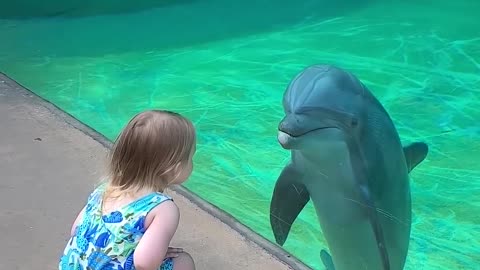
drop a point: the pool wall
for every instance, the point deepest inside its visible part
(176, 24)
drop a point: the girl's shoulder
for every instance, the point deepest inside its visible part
(167, 211)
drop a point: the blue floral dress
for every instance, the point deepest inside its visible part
(107, 242)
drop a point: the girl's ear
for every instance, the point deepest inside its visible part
(177, 171)
(178, 168)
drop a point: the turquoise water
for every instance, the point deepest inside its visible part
(225, 65)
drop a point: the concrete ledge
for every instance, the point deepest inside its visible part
(11, 92)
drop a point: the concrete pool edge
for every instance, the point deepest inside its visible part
(274, 250)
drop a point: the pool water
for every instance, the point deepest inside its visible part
(226, 64)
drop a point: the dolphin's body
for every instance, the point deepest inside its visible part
(346, 155)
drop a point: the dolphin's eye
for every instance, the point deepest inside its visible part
(353, 122)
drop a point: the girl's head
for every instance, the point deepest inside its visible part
(153, 151)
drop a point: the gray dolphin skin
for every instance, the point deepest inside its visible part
(347, 157)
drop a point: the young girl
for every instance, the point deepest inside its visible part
(127, 222)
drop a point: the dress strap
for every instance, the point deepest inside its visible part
(95, 199)
(142, 204)
(148, 202)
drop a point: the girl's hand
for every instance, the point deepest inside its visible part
(173, 252)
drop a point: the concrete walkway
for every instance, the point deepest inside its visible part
(48, 166)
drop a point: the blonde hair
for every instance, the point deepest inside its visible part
(149, 152)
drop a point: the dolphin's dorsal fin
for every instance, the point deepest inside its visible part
(414, 154)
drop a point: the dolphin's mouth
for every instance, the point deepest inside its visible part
(289, 140)
(296, 135)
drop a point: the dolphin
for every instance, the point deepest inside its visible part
(347, 157)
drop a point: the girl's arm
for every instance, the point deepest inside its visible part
(161, 223)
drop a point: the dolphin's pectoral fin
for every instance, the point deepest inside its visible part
(327, 260)
(414, 154)
(289, 198)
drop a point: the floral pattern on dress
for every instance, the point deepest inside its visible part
(107, 242)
